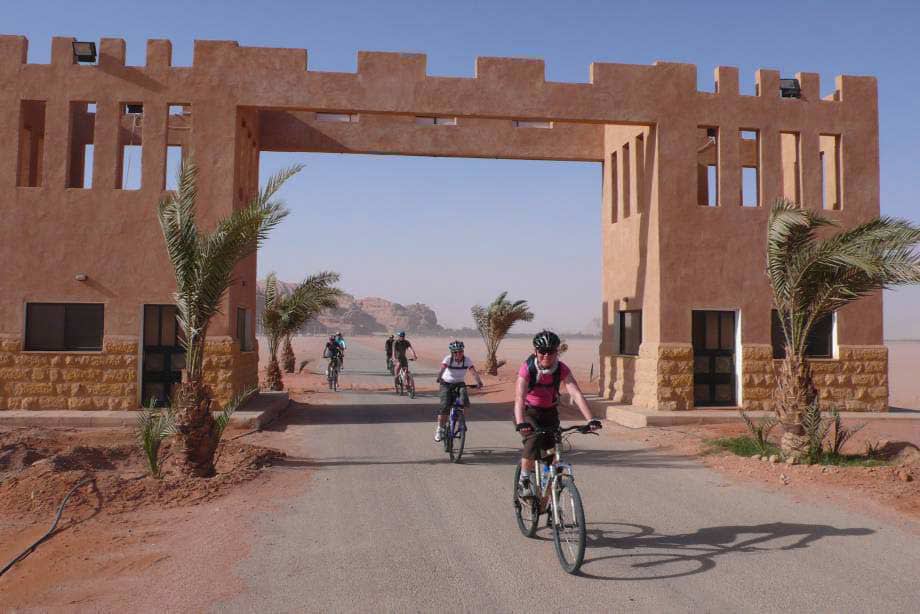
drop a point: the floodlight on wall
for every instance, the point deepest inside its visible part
(84, 51)
(81, 277)
(790, 88)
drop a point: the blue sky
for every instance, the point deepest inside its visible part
(448, 214)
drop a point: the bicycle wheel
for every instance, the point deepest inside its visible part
(410, 387)
(335, 380)
(569, 532)
(457, 438)
(526, 511)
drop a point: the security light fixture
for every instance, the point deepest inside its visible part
(84, 51)
(790, 88)
(134, 109)
(80, 277)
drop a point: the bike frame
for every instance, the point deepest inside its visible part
(558, 469)
(456, 411)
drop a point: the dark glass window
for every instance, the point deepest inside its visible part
(244, 328)
(64, 327)
(820, 340)
(630, 329)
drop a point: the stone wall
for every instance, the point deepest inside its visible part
(69, 380)
(227, 370)
(660, 377)
(107, 380)
(855, 381)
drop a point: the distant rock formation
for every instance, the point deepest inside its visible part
(363, 316)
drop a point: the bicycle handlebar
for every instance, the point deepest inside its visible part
(584, 429)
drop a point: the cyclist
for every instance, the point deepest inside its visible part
(340, 340)
(333, 351)
(452, 378)
(388, 348)
(536, 402)
(400, 346)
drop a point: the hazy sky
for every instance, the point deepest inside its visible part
(451, 233)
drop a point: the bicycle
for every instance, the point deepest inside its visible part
(404, 382)
(455, 429)
(332, 373)
(555, 494)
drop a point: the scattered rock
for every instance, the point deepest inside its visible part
(824, 470)
(756, 457)
(904, 476)
(784, 479)
(790, 460)
(773, 459)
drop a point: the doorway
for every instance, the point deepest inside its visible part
(164, 356)
(714, 358)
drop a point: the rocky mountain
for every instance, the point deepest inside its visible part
(364, 316)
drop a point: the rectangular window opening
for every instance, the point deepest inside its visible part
(750, 168)
(523, 123)
(789, 144)
(830, 172)
(82, 137)
(130, 136)
(625, 188)
(31, 143)
(179, 110)
(75, 327)
(630, 332)
(820, 343)
(614, 188)
(244, 329)
(639, 154)
(337, 117)
(173, 165)
(707, 166)
(436, 121)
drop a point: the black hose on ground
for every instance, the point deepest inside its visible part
(50, 532)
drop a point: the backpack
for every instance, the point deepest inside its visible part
(532, 370)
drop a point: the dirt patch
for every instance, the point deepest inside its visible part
(39, 466)
(891, 491)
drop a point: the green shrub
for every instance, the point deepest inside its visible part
(153, 426)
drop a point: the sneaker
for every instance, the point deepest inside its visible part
(439, 433)
(525, 490)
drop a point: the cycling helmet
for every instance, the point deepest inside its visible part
(402, 333)
(455, 346)
(546, 340)
(338, 333)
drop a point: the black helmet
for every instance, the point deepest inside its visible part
(402, 333)
(546, 340)
(455, 346)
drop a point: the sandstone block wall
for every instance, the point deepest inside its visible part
(69, 380)
(107, 380)
(855, 381)
(660, 377)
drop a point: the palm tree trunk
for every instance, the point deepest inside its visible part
(273, 378)
(794, 391)
(195, 429)
(287, 355)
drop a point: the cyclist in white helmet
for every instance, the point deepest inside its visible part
(452, 379)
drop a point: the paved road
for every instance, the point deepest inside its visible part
(386, 524)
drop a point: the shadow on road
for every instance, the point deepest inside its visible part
(657, 557)
(421, 409)
(642, 459)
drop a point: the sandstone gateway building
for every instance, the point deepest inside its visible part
(688, 175)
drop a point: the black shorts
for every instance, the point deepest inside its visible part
(448, 392)
(539, 417)
(403, 362)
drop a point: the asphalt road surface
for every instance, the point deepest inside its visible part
(387, 524)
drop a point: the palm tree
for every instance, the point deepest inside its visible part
(495, 321)
(204, 264)
(813, 278)
(283, 315)
(288, 358)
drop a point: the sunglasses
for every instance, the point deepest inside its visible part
(546, 352)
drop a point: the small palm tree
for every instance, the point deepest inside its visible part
(284, 315)
(288, 358)
(204, 264)
(495, 321)
(812, 278)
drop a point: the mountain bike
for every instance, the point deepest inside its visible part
(332, 373)
(404, 382)
(455, 429)
(555, 494)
